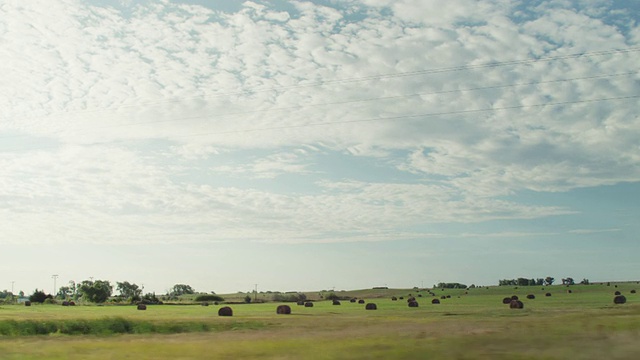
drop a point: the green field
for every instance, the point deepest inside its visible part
(473, 324)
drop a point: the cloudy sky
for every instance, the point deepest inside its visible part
(307, 145)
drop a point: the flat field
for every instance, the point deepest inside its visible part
(473, 324)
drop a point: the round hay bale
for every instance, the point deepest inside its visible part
(620, 299)
(435, 301)
(514, 297)
(516, 304)
(352, 300)
(411, 299)
(531, 296)
(216, 303)
(617, 293)
(371, 306)
(419, 295)
(448, 296)
(301, 303)
(506, 300)
(569, 291)
(27, 303)
(283, 310)
(393, 298)
(401, 297)
(225, 311)
(308, 304)
(633, 291)
(547, 294)
(336, 302)
(361, 301)
(615, 285)
(142, 307)
(413, 304)
(71, 303)
(65, 303)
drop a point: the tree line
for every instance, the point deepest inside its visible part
(548, 281)
(100, 291)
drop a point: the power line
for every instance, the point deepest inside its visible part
(399, 117)
(371, 77)
(384, 98)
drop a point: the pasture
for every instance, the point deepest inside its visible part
(473, 324)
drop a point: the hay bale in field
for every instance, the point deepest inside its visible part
(216, 303)
(413, 304)
(569, 291)
(393, 298)
(443, 297)
(633, 291)
(620, 299)
(514, 297)
(283, 310)
(336, 302)
(401, 298)
(411, 299)
(516, 304)
(506, 300)
(352, 300)
(142, 307)
(435, 301)
(531, 296)
(448, 296)
(301, 303)
(547, 294)
(27, 303)
(225, 311)
(617, 293)
(71, 303)
(419, 295)
(65, 303)
(371, 306)
(361, 301)
(308, 304)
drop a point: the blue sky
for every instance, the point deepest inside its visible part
(307, 145)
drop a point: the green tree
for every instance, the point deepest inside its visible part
(181, 289)
(95, 291)
(39, 296)
(549, 280)
(129, 291)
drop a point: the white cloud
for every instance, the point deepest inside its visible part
(135, 105)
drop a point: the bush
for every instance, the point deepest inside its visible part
(38, 296)
(208, 297)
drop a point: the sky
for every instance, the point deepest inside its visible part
(312, 145)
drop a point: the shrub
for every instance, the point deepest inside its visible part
(208, 297)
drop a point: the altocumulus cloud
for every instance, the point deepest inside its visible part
(148, 121)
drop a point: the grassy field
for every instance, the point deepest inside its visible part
(473, 324)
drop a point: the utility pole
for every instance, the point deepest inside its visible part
(55, 277)
(255, 296)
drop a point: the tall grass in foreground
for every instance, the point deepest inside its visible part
(115, 326)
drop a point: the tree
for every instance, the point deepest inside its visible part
(549, 280)
(568, 281)
(64, 292)
(584, 281)
(39, 296)
(129, 291)
(181, 289)
(95, 291)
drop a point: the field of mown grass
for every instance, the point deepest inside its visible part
(584, 324)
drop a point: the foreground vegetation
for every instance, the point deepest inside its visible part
(470, 324)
